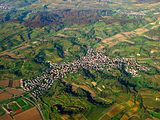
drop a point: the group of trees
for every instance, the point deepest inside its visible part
(40, 57)
(59, 49)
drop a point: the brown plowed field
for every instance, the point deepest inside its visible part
(116, 39)
(115, 110)
(4, 83)
(31, 114)
(14, 91)
(6, 117)
(16, 83)
(5, 96)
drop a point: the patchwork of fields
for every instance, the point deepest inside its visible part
(37, 34)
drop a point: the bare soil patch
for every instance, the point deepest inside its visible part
(140, 31)
(6, 117)
(123, 37)
(16, 83)
(155, 78)
(4, 83)
(112, 41)
(14, 91)
(31, 114)
(100, 47)
(5, 96)
(115, 110)
(70, 29)
(138, 5)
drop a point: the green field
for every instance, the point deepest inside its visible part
(21, 102)
(2, 112)
(13, 106)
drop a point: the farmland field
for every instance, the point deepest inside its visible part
(21, 102)
(13, 106)
(5, 96)
(2, 112)
(79, 59)
(28, 114)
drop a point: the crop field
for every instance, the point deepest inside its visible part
(6, 117)
(95, 113)
(29, 114)
(14, 106)
(116, 39)
(37, 37)
(115, 110)
(5, 96)
(14, 91)
(2, 112)
(21, 102)
(150, 98)
(16, 83)
(4, 83)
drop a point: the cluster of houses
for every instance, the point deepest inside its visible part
(93, 60)
(133, 67)
(4, 7)
(39, 85)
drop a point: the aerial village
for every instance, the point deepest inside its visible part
(5, 6)
(94, 60)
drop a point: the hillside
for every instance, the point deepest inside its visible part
(80, 59)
